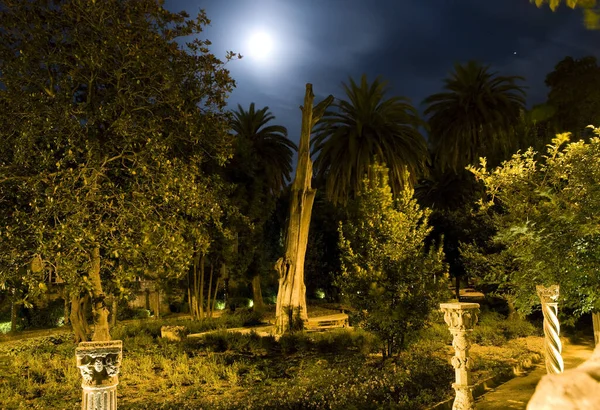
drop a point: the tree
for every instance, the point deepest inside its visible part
(364, 126)
(107, 123)
(260, 169)
(591, 13)
(388, 274)
(291, 312)
(547, 221)
(574, 95)
(476, 116)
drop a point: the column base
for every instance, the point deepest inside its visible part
(464, 397)
(99, 397)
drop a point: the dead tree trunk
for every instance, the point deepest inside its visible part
(291, 297)
(101, 327)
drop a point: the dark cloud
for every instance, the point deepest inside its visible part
(411, 43)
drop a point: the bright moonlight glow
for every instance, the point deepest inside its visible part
(260, 45)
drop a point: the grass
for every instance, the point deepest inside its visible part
(336, 370)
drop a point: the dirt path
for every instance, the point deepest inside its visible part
(515, 393)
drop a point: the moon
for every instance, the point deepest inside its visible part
(260, 45)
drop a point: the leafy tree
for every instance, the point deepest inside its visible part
(364, 126)
(388, 274)
(574, 95)
(260, 169)
(546, 215)
(591, 12)
(476, 116)
(107, 123)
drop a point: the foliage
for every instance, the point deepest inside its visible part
(546, 214)
(260, 169)
(475, 116)
(574, 95)
(591, 13)
(388, 275)
(364, 126)
(107, 124)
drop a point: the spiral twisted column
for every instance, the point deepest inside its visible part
(461, 318)
(552, 345)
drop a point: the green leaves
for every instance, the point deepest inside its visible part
(388, 273)
(546, 214)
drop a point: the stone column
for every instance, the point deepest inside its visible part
(99, 364)
(552, 344)
(460, 318)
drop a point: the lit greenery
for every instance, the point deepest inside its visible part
(591, 15)
(107, 123)
(388, 274)
(546, 213)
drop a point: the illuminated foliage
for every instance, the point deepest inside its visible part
(107, 123)
(388, 274)
(591, 13)
(546, 214)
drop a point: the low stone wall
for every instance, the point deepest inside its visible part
(575, 389)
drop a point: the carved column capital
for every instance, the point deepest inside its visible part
(99, 364)
(548, 294)
(460, 316)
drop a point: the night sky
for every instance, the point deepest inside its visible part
(412, 43)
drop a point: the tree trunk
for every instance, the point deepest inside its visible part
(208, 299)
(512, 312)
(13, 316)
(596, 324)
(291, 310)
(259, 304)
(101, 327)
(66, 310)
(201, 289)
(84, 308)
(214, 300)
(113, 312)
(157, 306)
(76, 319)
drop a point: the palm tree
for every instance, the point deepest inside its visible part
(260, 169)
(366, 126)
(476, 116)
(269, 146)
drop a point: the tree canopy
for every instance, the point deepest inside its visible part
(546, 216)
(388, 274)
(365, 125)
(107, 123)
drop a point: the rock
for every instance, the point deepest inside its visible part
(575, 389)
(174, 333)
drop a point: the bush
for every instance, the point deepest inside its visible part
(44, 316)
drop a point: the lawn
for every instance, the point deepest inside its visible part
(340, 369)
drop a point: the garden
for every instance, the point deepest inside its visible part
(369, 261)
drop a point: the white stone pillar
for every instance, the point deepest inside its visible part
(552, 345)
(460, 318)
(99, 364)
